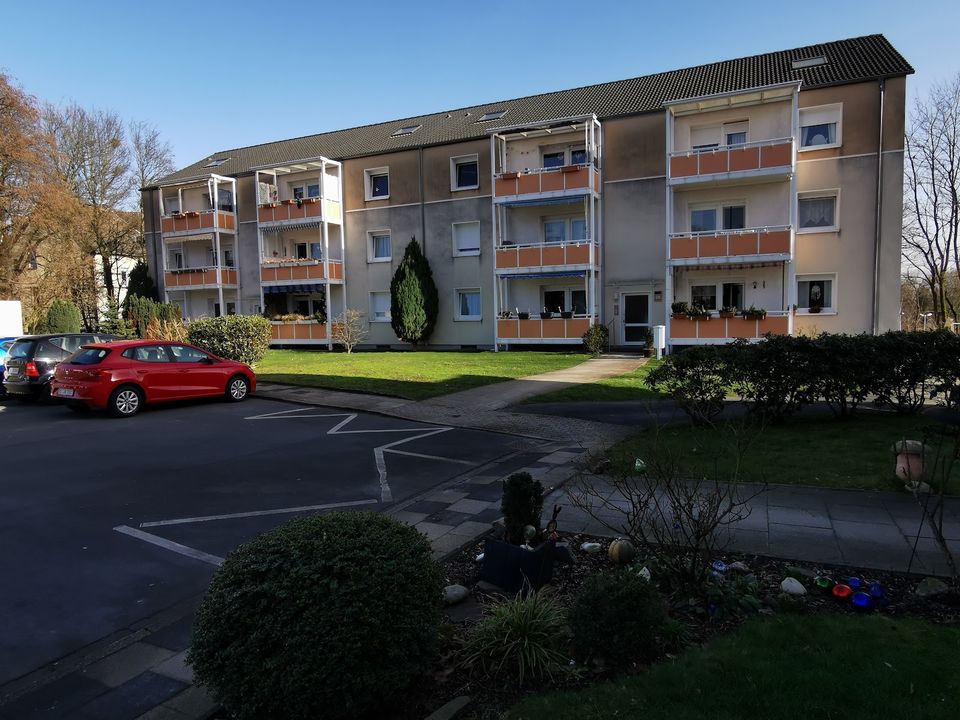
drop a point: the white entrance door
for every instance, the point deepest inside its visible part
(636, 317)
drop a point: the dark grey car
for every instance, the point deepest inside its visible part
(31, 361)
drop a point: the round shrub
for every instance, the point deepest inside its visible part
(326, 616)
(63, 316)
(696, 379)
(244, 338)
(595, 339)
(620, 617)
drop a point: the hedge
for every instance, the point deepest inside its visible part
(244, 338)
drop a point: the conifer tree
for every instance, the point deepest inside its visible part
(413, 297)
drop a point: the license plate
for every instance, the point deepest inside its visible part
(64, 392)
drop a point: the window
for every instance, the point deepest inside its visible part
(733, 295)
(379, 307)
(184, 354)
(313, 190)
(565, 300)
(379, 250)
(554, 159)
(316, 251)
(799, 64)
(492, 115)
(298, 192)
(578, 156)
(554, 300)
(302, 305)
(377, 183)
(464, 173)
(578, 229)
(704, 138)
(704, 295)
(703, 220)
(89, 357)
(301, 251)
(407, 130)
(735, 133)
(562, 229)
(817, 212)
(147, 353)
(466, 238)
(820, 127)
(554, 231)
(228, 258)
(171, 204)
(178, 260)
(815, 293)
(734, 217)
(578, 301)
(468, 304)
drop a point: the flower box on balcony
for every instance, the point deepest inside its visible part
(546, 315)
(311, 200)
(569, 168)
(566, 314)
(179, 215)
(523, 315)
(753, 313)
(289, 202)
(510, 176)
(193, 214)
(269, 204)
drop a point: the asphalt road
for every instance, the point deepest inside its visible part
(105, 522)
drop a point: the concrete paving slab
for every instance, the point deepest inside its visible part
(194, 702)
(470, 506)
(120, 667)
(798, 516)
(176, 668)
(132, 699)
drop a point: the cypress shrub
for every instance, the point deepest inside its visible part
(141, 284)
(522, 505)
(413, 297)
(63, 316)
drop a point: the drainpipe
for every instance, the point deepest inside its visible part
(879, 217)
(423, 219)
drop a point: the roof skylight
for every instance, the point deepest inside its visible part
(407, 130)
(494, 115)
(801, 63)
(216, 163)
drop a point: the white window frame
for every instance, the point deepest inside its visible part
(373, 314)
(821, 115)
(813, 194)
(463, 160)
(567, 291)
(467, 318)
(370, 246)
(734, 126)
(718, 284)
(567, 220)
(813, 277)
(368, 175)
(567, 151)
(457, 252)
(718, 207)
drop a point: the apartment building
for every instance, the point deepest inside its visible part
(771, 182)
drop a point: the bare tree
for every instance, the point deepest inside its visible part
(152, 155)
(349, 329)
(931, 219)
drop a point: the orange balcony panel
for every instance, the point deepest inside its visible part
(776, 155)
(683, 247)
(301, 272)
(268, 274)
(529, 183)
(507, 258)
(530, 328)
(578, 254)
(713, 245)
(553, 328)
(683, 166)
(553, 255)
(229, 277)
(228, 221)
(777, 325)
(528, 257)
(311, 209)
(744, 159)
(596, 182)
(209, 277)
(336, 270)
(775, 242)
(506, 186)
(265, 214)
(507, 328)
(550, 181)
(714, 328)
(579, 178)
(741, 327)
(576, 327)
(683, 328)
(713, 162)
(166, 225)
(743, 244)
(301, 331)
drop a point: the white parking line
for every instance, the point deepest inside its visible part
(432, 457)
(256, 513)
(170, 545)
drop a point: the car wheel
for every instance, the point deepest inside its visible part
(238, 388)
(125, 401)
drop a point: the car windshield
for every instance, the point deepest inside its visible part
(89, 356)
(22, 349)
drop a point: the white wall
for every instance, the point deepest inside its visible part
(525, 224)
(766, 122)
(767, 203)
(767, 295)
(526, 153)
(11, 318)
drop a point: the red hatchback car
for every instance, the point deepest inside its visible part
(122, 376)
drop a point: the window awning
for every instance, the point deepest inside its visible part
(278, 289)
(290, 226)
(569, 200)
(564, 274)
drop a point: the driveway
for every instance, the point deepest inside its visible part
(107, 522)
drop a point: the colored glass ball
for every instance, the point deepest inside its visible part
(855, 583)
(862, 601)
(841, 591)
(824, 583)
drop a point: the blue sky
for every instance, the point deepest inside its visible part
(214, 76)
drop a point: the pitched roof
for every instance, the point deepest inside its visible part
(848, 61)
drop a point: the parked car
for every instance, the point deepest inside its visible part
(123, 376)
(32, 359)
(5, 344)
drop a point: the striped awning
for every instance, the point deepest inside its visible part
(290, 226)
(564, 274)
(278, 289)
(568, 200)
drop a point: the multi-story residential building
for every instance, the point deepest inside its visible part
(772, 182)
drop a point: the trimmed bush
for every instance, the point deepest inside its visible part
(327, 616)
(521, 639)
(414, 302)
(843, 371)
(619, 617)
(696, 379)
(522, 505)
(904, 369)
(595, 339)
(945, 367)
(776, 375)
(63, 316)
(244, 338)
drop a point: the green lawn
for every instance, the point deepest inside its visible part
(413, 375)
(632, 386)
(791, 667)
(821, 451)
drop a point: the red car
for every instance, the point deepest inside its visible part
(121, 376)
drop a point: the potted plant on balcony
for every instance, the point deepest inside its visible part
(680, 309)
(523, 315)
(698, 312)
(569, 168)
(179, 215)
(509, 176)
(311, 200)
(546, 314)
(289, 201)
(754, 313)
(728, 311)
(192, 214)
(566, 314)
(504, 314)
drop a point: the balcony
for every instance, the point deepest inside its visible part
(770, 159)
(299, 271)
(719, 330)
(199, 278)
(569, 180)
(310, 209)
(535, 330)
(748, 244)
(193, 221)
(297, 331)
(516, 258)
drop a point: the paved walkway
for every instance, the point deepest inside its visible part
(866, 529)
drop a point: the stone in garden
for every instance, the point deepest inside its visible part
(453, 594)
(931, 588)
(792, 586)
(738, 566)
(529, 532)
(591, 547)
(644, 572)
(480, 557)
(800, 573)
